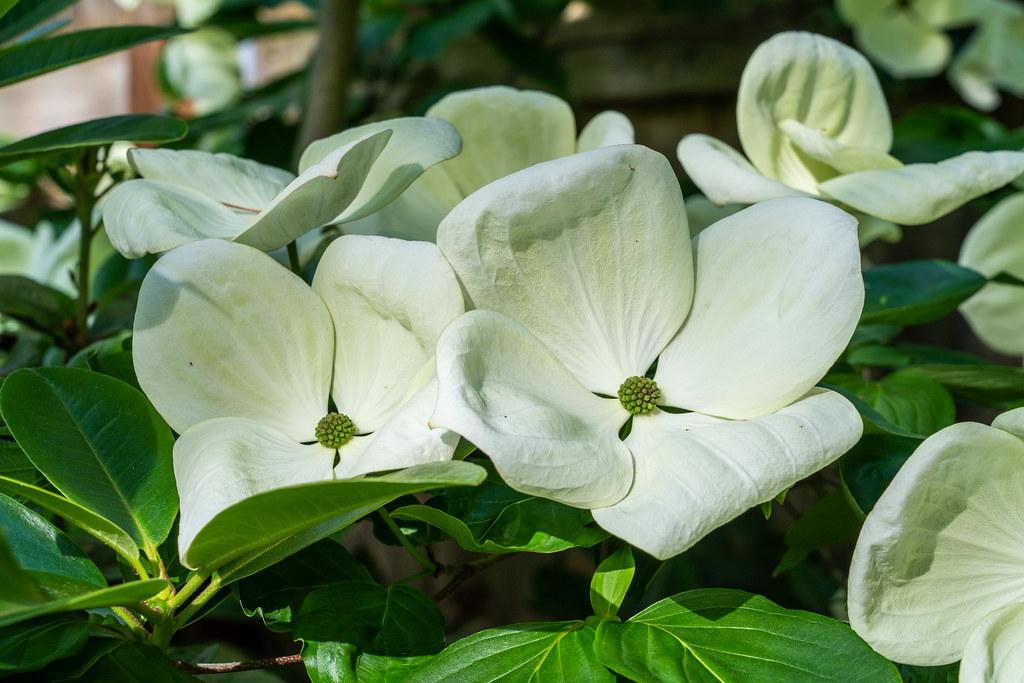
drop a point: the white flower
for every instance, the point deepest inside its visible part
(936, 574)
(41, 256)
(996, 245)
(238, 355)
(190, 12)
(993, 57)
(503, 130)
(583, 270)
(189, 195)
(813, 121)
(201, 69)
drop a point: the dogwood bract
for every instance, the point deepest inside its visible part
(583, 271)
(187, 195)
(813, 121)
(238, 355)
(503, 130)
(936, 573)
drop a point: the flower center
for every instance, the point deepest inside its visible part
(639, 395)
(334, 430)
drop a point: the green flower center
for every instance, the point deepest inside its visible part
(639, 395)
(334, 430)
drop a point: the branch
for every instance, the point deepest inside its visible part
(232, 667)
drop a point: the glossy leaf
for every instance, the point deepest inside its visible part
(99, 442)
(32, 645)
(27, 14)
(14, 464)
(266, 528)
(916, 292)
(870, 465)
(130, 128)
(545, 651)
(909, 399)
(611, 581)
(831, 520)
(36, 57)
(132, 662)
(997, 385)
(728, 636)
(38, 306)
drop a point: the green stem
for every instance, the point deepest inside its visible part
(293, 258)
(204, 597)
(85, 185)
(132, 622)
(413, 552)
(187, 590)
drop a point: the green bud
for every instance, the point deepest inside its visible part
(334, 430)
(639, 395)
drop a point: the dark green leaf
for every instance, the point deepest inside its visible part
(32, 645)
(38, 306)
(130, 128)
(903, 355)
(134, 662)
(611, 581)
(949, 673)
(869, 467)
(1005, 278)
(914, 402)
(36, 57)
(429, 38)
(27, 14)
(99, 442)
(728, 636)
(15, 464)
(555, 651)
(831, 520)
(996, 385)
(916, 292)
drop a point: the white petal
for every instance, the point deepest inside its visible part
(390, 300)
(318, 196)
(590, 252)
(724, 175)
(943, 546)
(406, 439)
(834, 154)
(416, 144)
(694, 473)
(921, 193)
(238, 183)
(220, 462)
(995, 651)
(992, 58)
(904, 45)
(15, 248)
(504, 130)
(819, 82)
(152, 216)
(995, 245)
(606, 129)
(778, 295)
(547, 435)
(702, 213)
(222, 330)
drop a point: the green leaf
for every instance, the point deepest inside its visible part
(33, 645)
(276, 593)
(995, 385)
(100, 528)
(904, 355)
(99, 442)
(831, 520)
(611, 581)
(127, 594)
(14, 464)
(950, 673)
(914, 402)
(6, 5)
(26, 60)
(133, 662)
(130, 128)
(870, 465)
(264, 529)
(546, 651)
(728, 636)
(37, 306)
(494, 518)
(916, 292)
(28, 14)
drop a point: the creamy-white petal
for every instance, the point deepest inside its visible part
(606, 129)
(943, 546)
(390, 300)
(996, 245)
(778, 294)
(903, 44)
(222, 330)
(995, 651)
(590, 252)
(221, 462)
(547, 435)
(694, 473)
(724, 175)
(819, 82)
(834, 154)
(921, 193)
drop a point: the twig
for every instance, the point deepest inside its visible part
(232, 667)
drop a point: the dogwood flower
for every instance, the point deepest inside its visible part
(189, 12)
(42, 256)
(188, 195)
(813, 121)
(994, 246)
(936, 574)
(503, 130)
(582, 270)
(201, 71)
(993, 57)
(271, 382)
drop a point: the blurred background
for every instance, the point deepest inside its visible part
(244, 78)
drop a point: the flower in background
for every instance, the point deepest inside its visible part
(189, 12)
(583, 273)
(46, 257)
(813, 121)
(200, 71)
(993, 58)
(935, 576)
(503, 130)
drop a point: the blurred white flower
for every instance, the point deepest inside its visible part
(201, 71)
